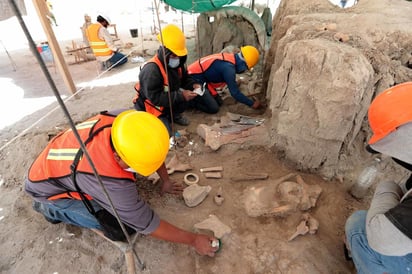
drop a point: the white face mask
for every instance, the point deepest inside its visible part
(174, 62)
(129, 169)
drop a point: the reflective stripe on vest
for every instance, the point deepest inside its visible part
(203, 64)
(55, 161)
(149, 106)
(98, 46)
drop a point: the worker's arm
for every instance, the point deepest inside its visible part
(105, 35)
(168, 186)
(202, 243)
(151, 84)
(383, 236)
(229, 76)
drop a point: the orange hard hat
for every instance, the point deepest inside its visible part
(389, 110)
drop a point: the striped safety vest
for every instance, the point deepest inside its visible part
(55, 160)
(201, 65)
(149, 106)
(98, 46)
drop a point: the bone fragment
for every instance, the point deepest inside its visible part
(250, 177)
(209, 169)
(195, 194)
(219, 197)
(282, 210)
(175, 165)
(311, 222)
(310, 194)
(214, 224)
(215, 175)
(302, 229)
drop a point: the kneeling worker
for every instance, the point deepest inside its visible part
(380, 239)
(64, 188)
(220, 69)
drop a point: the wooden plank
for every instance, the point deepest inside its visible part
(41, 9)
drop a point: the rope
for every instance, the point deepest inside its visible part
(69, 118)
(57, 107)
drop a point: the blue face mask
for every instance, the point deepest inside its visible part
(174, 62)
(241, 65)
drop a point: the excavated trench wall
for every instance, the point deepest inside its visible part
(324, 66)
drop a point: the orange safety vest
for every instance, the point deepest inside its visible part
(56, 159)
(204, 63)
(98, 46)
(149, 106)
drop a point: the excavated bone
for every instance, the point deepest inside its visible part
(195, 194)
(311, 222)
(219, 197)
(211, 169)
(302, 229)
(250, 177)
(260, 200)
(290, 192)
(213, 175)
(175, 165)
(154, 177)
(310, 194)
(214, 224)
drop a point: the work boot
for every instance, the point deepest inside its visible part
(219, 100)
(180, 120)
(37, 207)
(52, 221)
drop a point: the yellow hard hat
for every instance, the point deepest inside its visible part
(251, 55)
(173, 39)
(141, 140)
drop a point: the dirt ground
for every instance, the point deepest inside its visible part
(29, 244)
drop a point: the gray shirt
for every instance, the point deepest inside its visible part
(382, 234)
(132, 210)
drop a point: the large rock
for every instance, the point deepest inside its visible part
(324, 66)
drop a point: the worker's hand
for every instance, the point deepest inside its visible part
(257, 105)
(171, 187)
(203, 245)
(188, 95)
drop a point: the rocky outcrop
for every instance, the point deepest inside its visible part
(230, 26)
(324, 66)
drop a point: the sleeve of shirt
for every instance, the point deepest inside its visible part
(132, 210)
(382, 235)
(151, 84)
(229, 75)
(187, 80)
(105, 35)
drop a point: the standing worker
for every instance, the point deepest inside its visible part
(102, 44)
(65, 189)
(218, 70)
(164, 78)
(380, 240)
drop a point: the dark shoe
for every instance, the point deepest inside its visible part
(52, 221)
(219, 100)
(180, 120)
(36, 206)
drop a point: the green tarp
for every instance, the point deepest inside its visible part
(198, 6)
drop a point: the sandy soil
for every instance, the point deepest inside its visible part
(29, 244)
